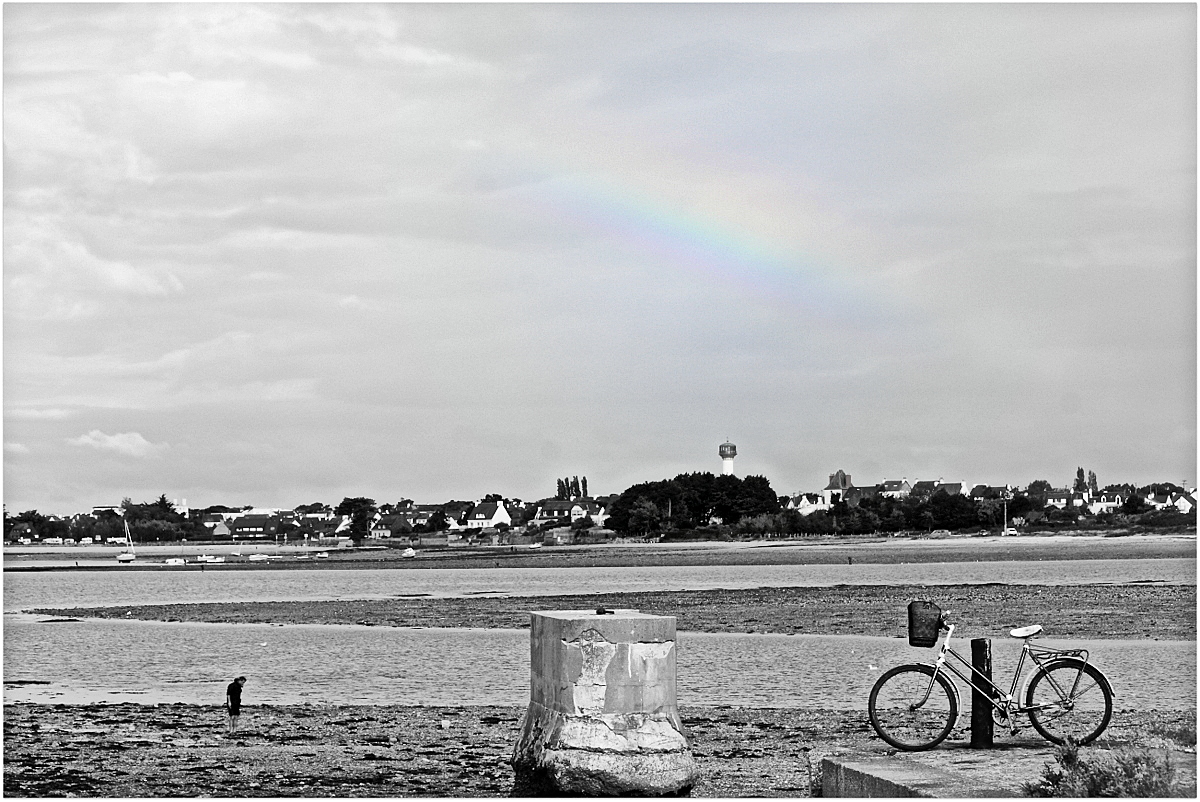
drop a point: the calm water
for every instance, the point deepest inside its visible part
(101, 588)
(152, 662)
(174, 662)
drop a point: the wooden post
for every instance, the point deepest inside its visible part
(981, 705)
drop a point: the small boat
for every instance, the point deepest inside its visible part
(409, 552)
(127, 556)
(257, 558)
(322, 555)
(173, 561)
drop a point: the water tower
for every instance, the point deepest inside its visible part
(728, 451)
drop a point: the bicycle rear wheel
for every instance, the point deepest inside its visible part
(1069, 699)
(912, 707)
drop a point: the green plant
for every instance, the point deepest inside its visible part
(1121, 772)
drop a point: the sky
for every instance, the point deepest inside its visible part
(280, 254)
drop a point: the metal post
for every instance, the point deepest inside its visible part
(981, 706)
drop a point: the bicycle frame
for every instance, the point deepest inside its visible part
(1005, 703)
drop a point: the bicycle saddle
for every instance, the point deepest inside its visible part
(1026, 632)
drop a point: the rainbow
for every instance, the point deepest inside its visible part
(718, 250)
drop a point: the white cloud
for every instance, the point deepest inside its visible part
(129, 443)
(16, 448)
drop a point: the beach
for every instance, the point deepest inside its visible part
(321, 750)
(346, 751)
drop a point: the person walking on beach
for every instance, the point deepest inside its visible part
(233, 702)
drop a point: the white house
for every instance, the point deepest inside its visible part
(568, 512)
(895, 488)
(807, 503)
(1106, 502)
(489, 513)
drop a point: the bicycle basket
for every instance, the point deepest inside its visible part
(924, 621)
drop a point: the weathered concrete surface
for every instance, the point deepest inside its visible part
(954, 771)
(883, 777)
(602, 717)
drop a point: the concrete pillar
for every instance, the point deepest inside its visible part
(602, 718)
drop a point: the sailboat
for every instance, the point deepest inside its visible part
(127, 556)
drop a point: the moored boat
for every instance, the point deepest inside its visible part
(128, 555)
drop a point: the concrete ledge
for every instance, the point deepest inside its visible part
(873, 777)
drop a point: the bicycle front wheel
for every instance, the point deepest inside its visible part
(1069, 698)
(913, 707)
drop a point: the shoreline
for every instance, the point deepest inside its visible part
(127, 750)
(1122, 612)
(816, 550)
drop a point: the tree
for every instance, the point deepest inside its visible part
(1080, 482)
(575, 490)
(313, 509)
(362, 514)
(644, 517)
(1134, 505)
(584, 487)
(1092, 483)
(561, 492)
(1039, 487)
(989, 510)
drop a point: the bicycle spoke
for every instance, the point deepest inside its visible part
(1069, 699)
(910, 709)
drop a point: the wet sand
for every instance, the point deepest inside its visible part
(1164, 612)
(313, 751)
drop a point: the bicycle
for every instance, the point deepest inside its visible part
(914, 707)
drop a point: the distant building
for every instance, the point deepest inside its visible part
(565, 513)
(255, 526)
(727, 451)
(835, 491)
(489, 513)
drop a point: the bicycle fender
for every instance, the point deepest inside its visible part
(937, 671)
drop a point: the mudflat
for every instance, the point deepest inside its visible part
(1165, 612)
(127, 750)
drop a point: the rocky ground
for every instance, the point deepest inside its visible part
(129, 750)
(1165, 612)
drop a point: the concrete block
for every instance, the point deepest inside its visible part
(875, 777)
(602, 717)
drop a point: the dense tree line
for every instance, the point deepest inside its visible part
(690, 500)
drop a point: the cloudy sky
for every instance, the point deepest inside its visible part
(273, 254)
